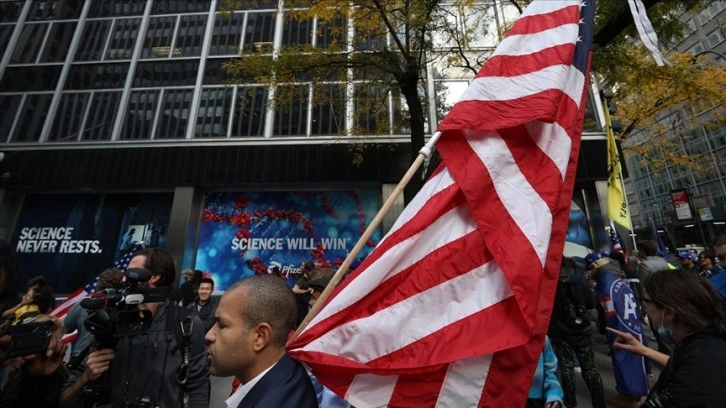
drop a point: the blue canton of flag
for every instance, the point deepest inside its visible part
(123, 262)
(662, 249)
(91, 286)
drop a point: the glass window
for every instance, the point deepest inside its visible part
(9, 105)
(213, 73)
(69, 116)
(296, 32)
(29, 43)
(117, 8)
(371, 109)
(101, 116)
(291, 110)
(124, 36)
(328, 110)
(31, 119)
(93, 40)
(59, 39)
(259, 33)
(6, 31)
(371, 41)
(696, 48)
(715, 37)
(10, 10)
(55, 9)
(401, 116)
(157, 43)
(177, 6)
(249, 5)
(166, 73)
(29, 79)
(97, 76)
(691, 26)
(592, 123)
(174, 114)
(249, 111)
(140, 115)
(227, 34)
(190, 36)
(214, 111)
(331, 33)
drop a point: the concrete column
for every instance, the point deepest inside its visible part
(392, 215)
(181, 240)
(11, 202)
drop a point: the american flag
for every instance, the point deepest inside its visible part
(452, 306)
(62, 310)
(616, 243)
(123, 262)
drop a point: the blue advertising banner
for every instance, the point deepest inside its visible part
(72, 238)
(243, 234)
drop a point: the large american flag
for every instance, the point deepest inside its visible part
(451, 308)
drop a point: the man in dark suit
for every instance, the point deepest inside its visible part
(254, 319)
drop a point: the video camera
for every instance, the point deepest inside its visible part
(29, 337)
(115, 313)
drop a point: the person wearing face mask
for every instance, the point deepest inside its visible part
(689, 312)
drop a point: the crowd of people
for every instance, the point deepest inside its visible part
(243, 333)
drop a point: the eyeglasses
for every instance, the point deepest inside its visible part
(646, 300)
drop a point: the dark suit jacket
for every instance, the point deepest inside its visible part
(286, 385)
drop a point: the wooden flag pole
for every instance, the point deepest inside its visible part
(424, 153)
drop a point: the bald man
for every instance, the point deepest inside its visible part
(254, 319)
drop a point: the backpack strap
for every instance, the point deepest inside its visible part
(184, 328)
(179, 326)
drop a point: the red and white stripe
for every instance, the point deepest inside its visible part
(62, 310)
(451, 308)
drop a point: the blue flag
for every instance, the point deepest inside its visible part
(662, 249)
(621, 313)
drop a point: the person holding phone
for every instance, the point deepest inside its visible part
(37, 376)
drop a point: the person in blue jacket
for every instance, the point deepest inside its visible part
(546, 390)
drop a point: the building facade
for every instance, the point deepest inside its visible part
(664, 196)
(118, 125)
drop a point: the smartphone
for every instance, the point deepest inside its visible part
(29, 338)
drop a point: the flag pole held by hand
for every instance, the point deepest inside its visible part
(424, 153)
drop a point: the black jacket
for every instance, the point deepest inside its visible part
(146, 365)
(286, 385)
(206, 312)
(581, 286)
(694, 375)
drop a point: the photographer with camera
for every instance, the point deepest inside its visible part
(149, 367)
(76, 317)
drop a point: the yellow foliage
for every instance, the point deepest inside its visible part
(666, 101)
